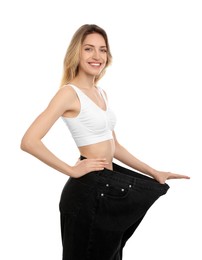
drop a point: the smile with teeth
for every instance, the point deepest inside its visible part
(95, 64)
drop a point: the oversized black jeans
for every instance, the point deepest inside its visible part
(101, 210)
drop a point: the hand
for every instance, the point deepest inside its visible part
(85, 166)
(161, 176)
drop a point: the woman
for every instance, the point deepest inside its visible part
(102, 203)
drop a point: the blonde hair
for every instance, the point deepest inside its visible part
(71, 60)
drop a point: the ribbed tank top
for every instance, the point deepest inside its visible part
(92, 124)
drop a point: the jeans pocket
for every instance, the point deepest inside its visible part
(113, 190)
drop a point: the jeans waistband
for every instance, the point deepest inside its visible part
(123, 176)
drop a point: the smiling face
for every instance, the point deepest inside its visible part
(93, 55)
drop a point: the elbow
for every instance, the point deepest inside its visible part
(26, 144)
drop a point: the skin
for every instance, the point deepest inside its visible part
(93, 58)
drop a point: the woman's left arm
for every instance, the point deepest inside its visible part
(127, 158)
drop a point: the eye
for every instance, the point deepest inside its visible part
(103, 50)
(88, 49)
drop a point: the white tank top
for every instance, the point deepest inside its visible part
(92, 124)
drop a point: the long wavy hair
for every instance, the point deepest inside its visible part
(71, 60)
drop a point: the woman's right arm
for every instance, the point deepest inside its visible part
(63, 101)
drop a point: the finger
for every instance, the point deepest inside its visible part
(98, 165)
(179, 176)
(95, 168)
(184, 177)
(97, 159)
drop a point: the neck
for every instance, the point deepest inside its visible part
(84, 82)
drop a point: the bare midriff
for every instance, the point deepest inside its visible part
(102, 150)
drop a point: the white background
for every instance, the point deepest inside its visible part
(154, 87)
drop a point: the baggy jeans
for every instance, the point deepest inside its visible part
(101, 210)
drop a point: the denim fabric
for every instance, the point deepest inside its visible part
(101, 210)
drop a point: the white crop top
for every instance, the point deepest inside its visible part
(92, 124)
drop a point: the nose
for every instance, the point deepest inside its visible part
(96, 55)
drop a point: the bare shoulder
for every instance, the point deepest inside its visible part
(65, 97)
(66, 92)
